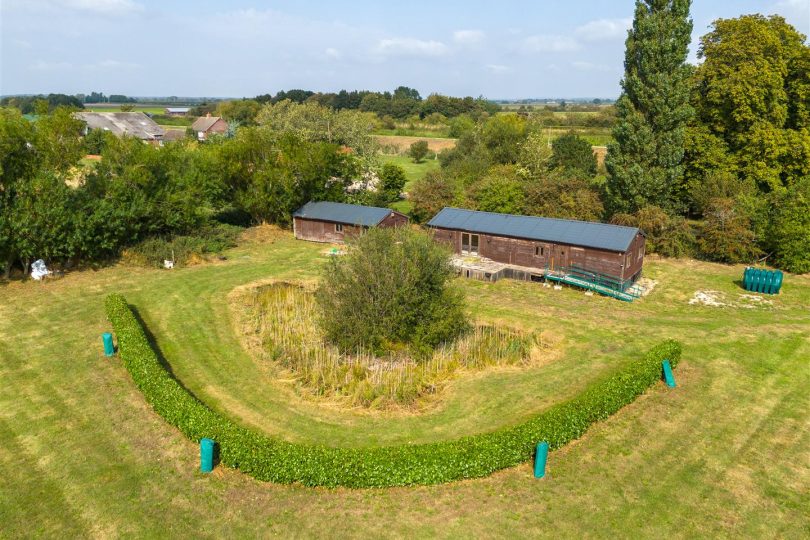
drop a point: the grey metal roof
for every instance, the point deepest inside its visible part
(136, 124)
(350, 214)
(178, 109)
(560, 231)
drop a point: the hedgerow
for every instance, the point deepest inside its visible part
(269, 459)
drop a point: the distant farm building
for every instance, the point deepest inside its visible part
(133, 124)
(176, 111)
(529, 247)
(208, 125)
(333, 222)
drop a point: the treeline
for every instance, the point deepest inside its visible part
(54, 208)
(41, 104)
(404, 102)
(711, 161)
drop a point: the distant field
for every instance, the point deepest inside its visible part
(595, 136)
(116, 107)
(440, 132)
(402, 143)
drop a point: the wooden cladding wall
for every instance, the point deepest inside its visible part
(327, 231)
(541, 255)
(323, 231)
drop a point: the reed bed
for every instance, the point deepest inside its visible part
(284, 317)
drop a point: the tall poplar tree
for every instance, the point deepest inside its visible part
(645, 161)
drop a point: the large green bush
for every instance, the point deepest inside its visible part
(391, 290)
(270, 459)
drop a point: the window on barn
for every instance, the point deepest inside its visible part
(469, 244)
(338, 227)
(539, 251)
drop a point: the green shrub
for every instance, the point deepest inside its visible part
(269, 459)
(207, 240)
(393, 287)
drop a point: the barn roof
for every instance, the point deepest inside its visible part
(136, 124)
(204, 123)
(559, 231)
(178, 109)
(350, 214)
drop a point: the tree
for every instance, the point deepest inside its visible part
(751, 96)
(573, 154)
(243, 111)
(41, 220)
(645, 161)
(392, 181)
(430, 194)
(499, 191)
(391, 290)
(789, 236)
(126, 107)
(726, 234)
(312, 122)
(670, 236)
(418, 150)
(559, 195)
(59, 140)
(502, 137)
(18, 162)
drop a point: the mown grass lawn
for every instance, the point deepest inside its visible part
(726, 453)
(413, 172)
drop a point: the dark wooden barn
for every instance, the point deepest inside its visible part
(333, 222)
(611, 253)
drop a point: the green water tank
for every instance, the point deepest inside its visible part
(762, 281)
(206, 455)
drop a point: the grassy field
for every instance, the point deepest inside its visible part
(413, 171)
(116, 107)
(430, 132)
(726, 453)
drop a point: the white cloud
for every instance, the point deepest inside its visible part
(103, 6)
(42, 65)
(552, 43)
(468, 37)
(603, 29)
(497, 68)
(332, 53)
(412, 47)
(589, 66)
(110, 64)
(53, 7)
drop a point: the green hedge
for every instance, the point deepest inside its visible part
(270, 459)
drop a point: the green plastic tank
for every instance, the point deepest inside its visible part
(206, 455)
(762, 281)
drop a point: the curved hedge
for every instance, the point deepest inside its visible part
(270, 459)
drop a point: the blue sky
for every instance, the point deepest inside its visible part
(506, 49)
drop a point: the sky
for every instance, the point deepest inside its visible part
(242, 48)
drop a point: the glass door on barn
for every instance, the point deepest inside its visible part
(469, 244)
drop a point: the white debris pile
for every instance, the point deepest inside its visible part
(646, 285)
(752, 301)
(39, 270)
(708, 298)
